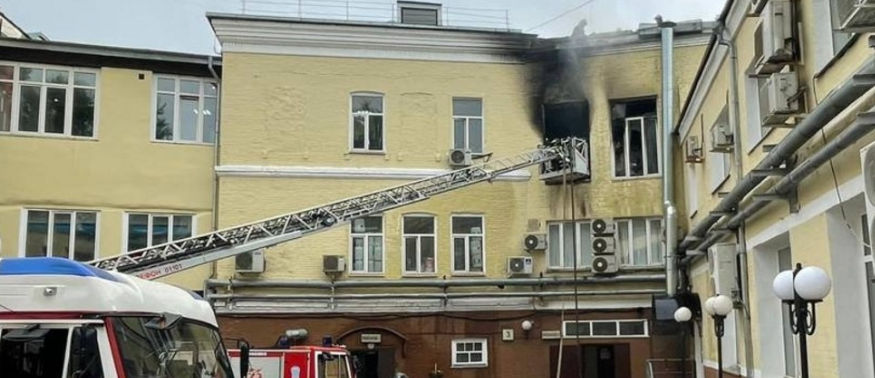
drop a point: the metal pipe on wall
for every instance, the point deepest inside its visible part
(669, 210)
(280, 297)
(214, 269)
(552, 281)
(831, 106)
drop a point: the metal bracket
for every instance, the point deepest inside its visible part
(767, 197)
(722, 213)
(793, 200)
(867, 79)
(769, 147)
(769, 172)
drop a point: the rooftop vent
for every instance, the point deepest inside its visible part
(419, 13)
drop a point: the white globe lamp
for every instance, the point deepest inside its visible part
(683, 314)
(709, 306)
(812, 283)
(783, 285)
(722, 305)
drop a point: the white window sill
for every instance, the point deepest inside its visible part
(469, 366)
(28, 134)
(418, 275)
(633, 178)
(366, 152)
(468, 274)
(183, 142)
(366, 274)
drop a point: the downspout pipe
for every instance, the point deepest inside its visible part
(669, 209)
(214, 267)
(864, 124)
(284, 284)
(831, 106)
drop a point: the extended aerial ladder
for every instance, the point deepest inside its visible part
(564, 156)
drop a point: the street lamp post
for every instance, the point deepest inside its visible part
(682, 316)
(798, 289)
(718, 307)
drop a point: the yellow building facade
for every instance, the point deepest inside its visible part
(315, 111)
(102, 158)
(771, 135)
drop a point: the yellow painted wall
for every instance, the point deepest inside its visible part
(120, 171)
(294, 111)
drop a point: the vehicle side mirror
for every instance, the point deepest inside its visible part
(244, 359)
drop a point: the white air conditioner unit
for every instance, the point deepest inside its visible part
(777, 37)
(602, 226)
(604, 264)
(333, 264)
(775, 97)
(249, 262)
(535, 242)
(693, 151)
(602, 245)
(459, 157)
(723, 268)
(855, 16)
(721, 138)
(867, 157)
(519, 265)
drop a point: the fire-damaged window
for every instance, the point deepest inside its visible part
(366, 123)
(468, 124)
(366, 238)
(635, 136)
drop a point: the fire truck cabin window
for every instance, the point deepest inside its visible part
(34, 353)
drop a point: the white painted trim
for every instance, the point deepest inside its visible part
(736, 16)
(462, 365)
(365, 149)
(368, 173)
(849, 189)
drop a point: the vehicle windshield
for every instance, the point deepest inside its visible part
(183, 350)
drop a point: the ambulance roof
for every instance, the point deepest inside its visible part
(51, 284)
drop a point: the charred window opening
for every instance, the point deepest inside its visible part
(568, 119)
(635, 137)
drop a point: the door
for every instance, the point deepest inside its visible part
(375, 363)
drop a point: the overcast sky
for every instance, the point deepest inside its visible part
(180, 25)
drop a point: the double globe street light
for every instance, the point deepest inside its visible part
(800, 289)
(719, 307)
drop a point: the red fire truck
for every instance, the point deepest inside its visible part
(296, 362)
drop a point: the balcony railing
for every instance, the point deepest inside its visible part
(373, 11)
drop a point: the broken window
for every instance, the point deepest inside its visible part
(635, 136)
(468, 124)
(366, 118)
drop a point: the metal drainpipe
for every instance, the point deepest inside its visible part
(214, 268)
(741, 243)
(831, 106)
(669, 210)
(432, 283)
(275, 297)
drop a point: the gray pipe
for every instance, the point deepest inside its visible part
(864, 125)
(274, 297)
(213, 283)
(831, 106)
(213, 266)
(669, 211)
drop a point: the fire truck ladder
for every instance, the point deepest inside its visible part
(168, 258)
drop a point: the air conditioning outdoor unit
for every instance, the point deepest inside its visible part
(775, 96)
(249, 262)
(777, 37)
(867, 157)
(604, 264)
(459, 157)
(519, 265)
(721, 138)
(603, 245)
(535, 242)
(333, 264)
(855, 16)
(602, 226)
(693, 152)
(722, 269)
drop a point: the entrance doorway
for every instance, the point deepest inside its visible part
(594, 361)
(374, 363)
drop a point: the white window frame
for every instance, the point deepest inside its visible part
(199, 137)
(170, 216)
(646, 333)
(467, 238)
(366, 236)
(582, 226)
(365, 149)
(484, 349)
(627, 160)
(719, 167)
(404, 237)
(626, 257)
(22, 232)
(68, 110)
(467, 124)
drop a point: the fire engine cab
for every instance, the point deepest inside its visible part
(60, 318)
(295, 362)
